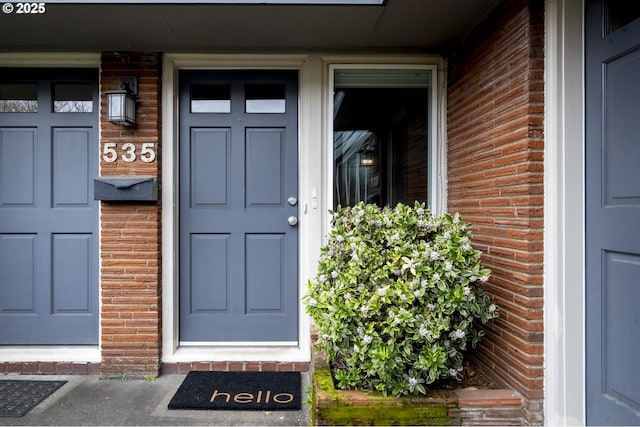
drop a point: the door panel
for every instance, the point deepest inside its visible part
(48, 218)
(265, 272)
(17, 274)
(265, 178)
(238, 167)
(621, 130)
(612, 219)
(71, 273)
(209, 273)
(619, 319)
(71, 167)
(17, 168)
(210, 149)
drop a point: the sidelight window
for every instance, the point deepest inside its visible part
(381, 127)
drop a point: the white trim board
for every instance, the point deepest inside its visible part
(564, 317)
(80, 354)
(59, 59)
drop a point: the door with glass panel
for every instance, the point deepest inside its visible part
(48, 218)
(381, 131)
(238, 206)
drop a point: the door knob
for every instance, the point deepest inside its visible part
(292, 220)
(292, 201)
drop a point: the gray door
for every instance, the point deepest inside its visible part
(48, 218)
(238, 190)
(613, 212)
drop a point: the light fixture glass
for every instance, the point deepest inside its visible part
(121, 107)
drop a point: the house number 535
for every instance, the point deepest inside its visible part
(128, 152)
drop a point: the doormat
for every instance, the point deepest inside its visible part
(264, 391)
(17, 397)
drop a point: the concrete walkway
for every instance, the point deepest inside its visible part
(91, 401)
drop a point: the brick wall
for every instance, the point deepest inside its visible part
(255, 366)
(49, 368)
(495, 174)
(130, 247)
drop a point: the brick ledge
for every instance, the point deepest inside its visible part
(452, 407)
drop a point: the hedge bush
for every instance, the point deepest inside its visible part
(396, 299)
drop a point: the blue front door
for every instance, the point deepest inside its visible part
(612, 212)
(48, 218)
(238, 206)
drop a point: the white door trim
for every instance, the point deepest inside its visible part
(564, 335)
(310, 176)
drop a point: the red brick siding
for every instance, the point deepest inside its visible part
(186, 367)
(487, 408)
(130, 246)
(50, 368)
(495, 174)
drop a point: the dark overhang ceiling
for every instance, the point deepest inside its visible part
(216, 26)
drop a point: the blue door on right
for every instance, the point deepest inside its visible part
(612, 180)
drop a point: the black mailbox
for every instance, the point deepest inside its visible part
(125, 188)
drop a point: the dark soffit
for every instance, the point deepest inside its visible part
(212, 26)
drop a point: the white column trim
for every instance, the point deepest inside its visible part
(564, 339)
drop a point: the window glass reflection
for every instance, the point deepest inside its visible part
(265, 98)
(18, 98)
(72, 98)
(380, 139)
(621, 13)
(211, 99)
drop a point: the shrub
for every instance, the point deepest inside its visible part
(396, 299)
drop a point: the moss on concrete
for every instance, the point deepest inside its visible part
(340, 407)
(341, 414)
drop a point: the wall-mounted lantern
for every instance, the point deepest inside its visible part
(121, 104)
